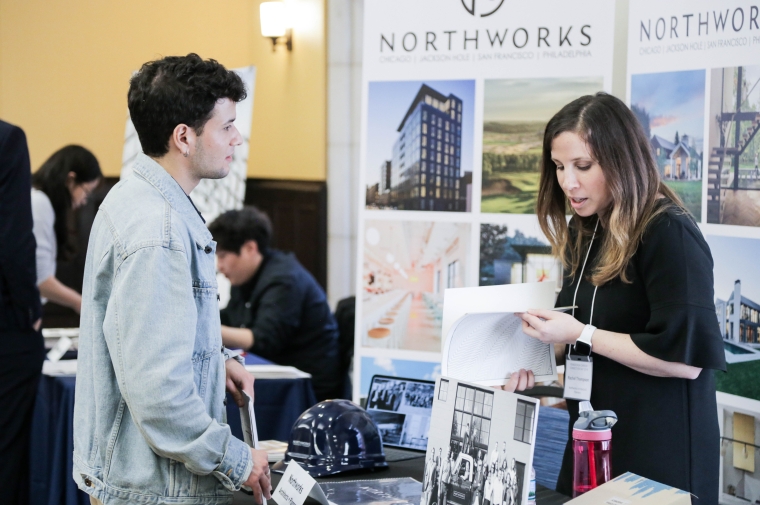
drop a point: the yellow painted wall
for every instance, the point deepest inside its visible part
(65, 67)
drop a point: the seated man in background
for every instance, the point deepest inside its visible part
(276, 310)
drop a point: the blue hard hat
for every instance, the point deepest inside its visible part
(334, 436)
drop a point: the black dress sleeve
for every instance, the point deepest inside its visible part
(676, 266)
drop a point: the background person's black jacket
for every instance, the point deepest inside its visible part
(19, 298)
(291, 321)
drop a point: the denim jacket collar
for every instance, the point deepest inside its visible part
(149, 169)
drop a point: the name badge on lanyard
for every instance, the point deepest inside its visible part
(579, 368)
(578, 373)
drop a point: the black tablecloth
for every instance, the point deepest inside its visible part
(413, 468)
(278, 403)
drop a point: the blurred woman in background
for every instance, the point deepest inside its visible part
(63, 183)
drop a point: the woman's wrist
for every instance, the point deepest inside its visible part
(576, 333)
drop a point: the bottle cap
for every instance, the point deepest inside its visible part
(594, 424)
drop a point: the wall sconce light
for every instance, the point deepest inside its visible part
(275, 23)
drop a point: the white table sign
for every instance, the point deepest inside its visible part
(296, 484)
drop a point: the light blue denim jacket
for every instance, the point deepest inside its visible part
(149, 417)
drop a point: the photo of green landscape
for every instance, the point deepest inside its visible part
(514, 118)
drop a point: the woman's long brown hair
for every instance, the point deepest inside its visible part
(617, 142)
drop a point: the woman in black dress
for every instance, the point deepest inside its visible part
(640, 273)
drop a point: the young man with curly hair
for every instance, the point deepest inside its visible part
(149, 417)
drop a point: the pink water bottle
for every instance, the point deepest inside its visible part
(592, 445)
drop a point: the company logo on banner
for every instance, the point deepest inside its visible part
(455, 97)
(484, 31)
(735, 26)
(469, 5)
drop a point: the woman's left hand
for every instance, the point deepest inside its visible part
(519, 381)
(551, 327)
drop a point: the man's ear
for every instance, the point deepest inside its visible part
(183, 139)
(250, 248)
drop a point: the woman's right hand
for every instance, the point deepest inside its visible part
(551, 327)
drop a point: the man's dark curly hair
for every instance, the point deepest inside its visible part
(236, 227)
(177, 90)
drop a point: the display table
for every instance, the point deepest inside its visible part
(278, 403)
(413, 468)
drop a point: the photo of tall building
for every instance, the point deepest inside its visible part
(424, 168)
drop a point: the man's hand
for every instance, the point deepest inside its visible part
(238, 379)
(37, 324)
(259, 481)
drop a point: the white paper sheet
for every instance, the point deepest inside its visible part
(248, 422)
(483, 338)
(250, 433)
(276, 372)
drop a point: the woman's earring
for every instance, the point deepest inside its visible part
(185, 154)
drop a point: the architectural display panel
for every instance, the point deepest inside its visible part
(693, 69)
(455, 97)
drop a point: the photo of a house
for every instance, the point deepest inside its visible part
(515, 113)
(737, 308)
(733, 184)
(670, 107)
(512, 254)
(419, 145)
(407, 266)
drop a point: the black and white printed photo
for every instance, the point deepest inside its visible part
(475, 456)
(390, 425)
(401, 409)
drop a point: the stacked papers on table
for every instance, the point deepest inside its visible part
(59, 368)
(54, 335)
(276, 372)
(60, 332)
(275, 449)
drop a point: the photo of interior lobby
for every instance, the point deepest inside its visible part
(407, 266)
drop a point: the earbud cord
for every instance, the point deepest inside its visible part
(593, 299)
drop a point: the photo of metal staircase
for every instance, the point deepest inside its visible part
(733, 175)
